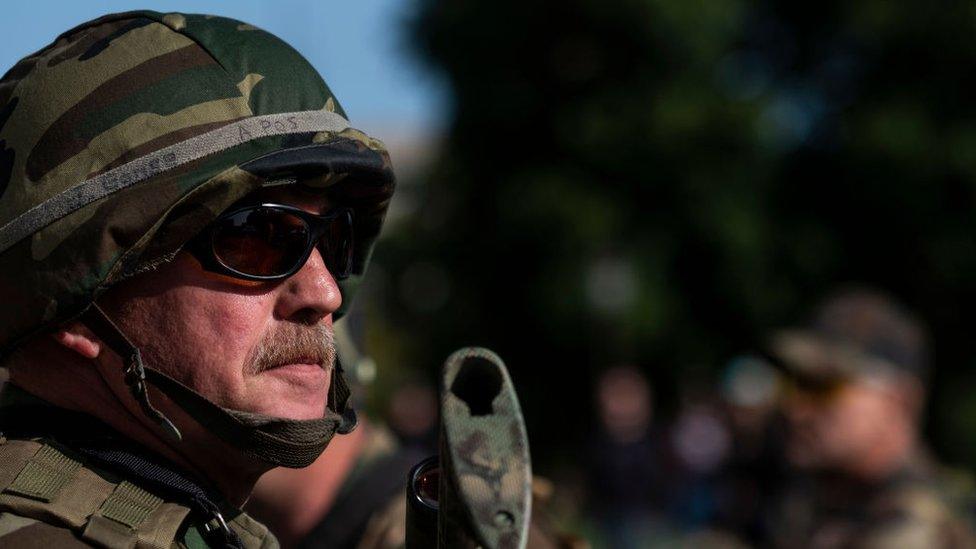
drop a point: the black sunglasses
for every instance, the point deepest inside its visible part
(273, 241)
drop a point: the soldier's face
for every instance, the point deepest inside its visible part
(261, 347)
(844, 429)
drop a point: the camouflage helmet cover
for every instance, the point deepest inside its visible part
(856, 332)
(127, 135)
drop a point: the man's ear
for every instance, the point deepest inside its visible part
(78, 338)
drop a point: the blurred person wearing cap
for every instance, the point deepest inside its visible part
(860, 472)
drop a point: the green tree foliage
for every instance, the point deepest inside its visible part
(663, 182)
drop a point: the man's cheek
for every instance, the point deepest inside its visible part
(246, 331)
(227, 326)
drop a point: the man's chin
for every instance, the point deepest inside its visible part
(295, 391)
(287, 409)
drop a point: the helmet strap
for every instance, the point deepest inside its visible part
(134, 370)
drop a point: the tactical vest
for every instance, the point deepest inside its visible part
(41, 481)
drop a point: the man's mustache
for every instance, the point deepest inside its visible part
(293, 344)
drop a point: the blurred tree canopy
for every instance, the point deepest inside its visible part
(663, 182)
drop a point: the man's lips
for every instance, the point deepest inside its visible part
(313, 377)
(299, 361)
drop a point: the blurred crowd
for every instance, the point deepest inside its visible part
(813, 441)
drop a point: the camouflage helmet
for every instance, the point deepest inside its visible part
(130, 133)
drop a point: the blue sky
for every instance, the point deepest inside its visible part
(359, 46)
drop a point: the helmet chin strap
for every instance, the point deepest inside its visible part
(278, 441)
(134, 370)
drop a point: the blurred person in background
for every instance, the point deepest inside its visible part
(626, 471)
(860, 472)
(412, 415)
(750, 388)
(349, 497)
(700, 441)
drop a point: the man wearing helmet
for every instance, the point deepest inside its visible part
(184, 211)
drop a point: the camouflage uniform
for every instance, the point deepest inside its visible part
(69, 481)
(918, 507)
(119, 142)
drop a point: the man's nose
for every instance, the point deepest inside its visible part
(309, 295)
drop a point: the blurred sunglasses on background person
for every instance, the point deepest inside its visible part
(820, 391)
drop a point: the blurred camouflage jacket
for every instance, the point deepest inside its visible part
(919, 507)
(67, 480)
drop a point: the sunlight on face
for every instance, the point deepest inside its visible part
(258, 347)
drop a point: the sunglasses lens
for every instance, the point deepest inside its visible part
(261, 242)
(336, 245)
